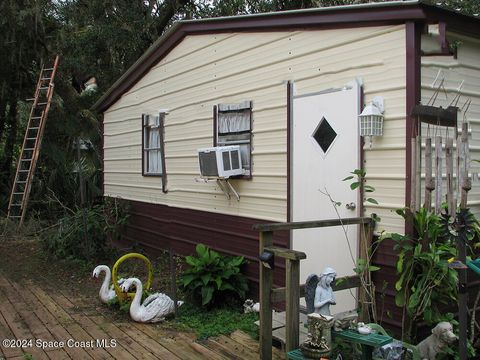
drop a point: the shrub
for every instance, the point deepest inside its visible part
(82, 233)
(213, 277)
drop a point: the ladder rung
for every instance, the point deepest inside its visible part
(47, 78)
(23, 171)
(15, 216)
(44, 88)
(15, 205)
(48, 69)
(25, 159)
(36, 117)
(42, 103)
(32, 138)
(18, 193)
(21, 182)
(34, 128)
(28, 149)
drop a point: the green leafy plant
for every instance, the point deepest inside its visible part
(213, 277)
(82, 233)
(425, 280)
(358, 175)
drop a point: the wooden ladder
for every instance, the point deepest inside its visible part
(32, 142)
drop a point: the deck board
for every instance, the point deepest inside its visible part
(32, 311)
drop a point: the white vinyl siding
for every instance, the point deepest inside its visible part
(206, 70)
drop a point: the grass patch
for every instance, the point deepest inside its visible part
(214, 322)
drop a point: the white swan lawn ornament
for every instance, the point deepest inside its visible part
(107, 292)
(154, 308)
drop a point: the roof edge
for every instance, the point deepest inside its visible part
(384, 13)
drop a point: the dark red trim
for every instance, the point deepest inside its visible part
(413, 59)
(162, 152)
(362, 156)
(143, 144)
(156, 227)
(215, 121)
(320, 18)
(289, 156)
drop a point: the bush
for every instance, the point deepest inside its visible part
(83, 233)
(213, 277)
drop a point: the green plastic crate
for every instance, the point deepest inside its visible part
(374, 339)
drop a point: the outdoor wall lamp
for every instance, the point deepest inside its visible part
(267, 258)
(371, 118)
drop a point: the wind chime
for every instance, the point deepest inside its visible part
(441, 127)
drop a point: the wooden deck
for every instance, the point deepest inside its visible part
(31, 313)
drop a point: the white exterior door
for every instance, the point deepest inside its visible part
(325, 151)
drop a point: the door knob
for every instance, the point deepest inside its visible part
(351, 206)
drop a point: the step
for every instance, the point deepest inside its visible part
(34, 128)
(21, 182)
(42, 103)
(34, 138)
(48, 69)
(36, 117)
(28, 149)
(18, 193)
(44, 88)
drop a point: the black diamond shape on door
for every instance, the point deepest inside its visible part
(324, 135)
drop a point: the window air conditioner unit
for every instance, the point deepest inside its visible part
(220, 161)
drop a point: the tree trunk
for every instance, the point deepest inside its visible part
(11, 136)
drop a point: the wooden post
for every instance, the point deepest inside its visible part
(450, 182)
(366, 303)
(461, 246)
(293, 306)
(438, 174)
(266, 282)
(466, 184)
(429, 183)
(418, 173)
(413, 197)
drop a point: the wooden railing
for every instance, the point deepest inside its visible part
(292, 291)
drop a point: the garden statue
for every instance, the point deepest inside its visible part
(107, 292)
(250, 306)
(154, 308)
(442, 336)
(345, 320)
(318, 343)
(319, 293)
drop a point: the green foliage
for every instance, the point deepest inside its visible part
(216, 321)
(426, 282)
(358, 175)
(213, 277)
(83, 233)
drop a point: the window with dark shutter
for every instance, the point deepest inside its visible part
(234, 127)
